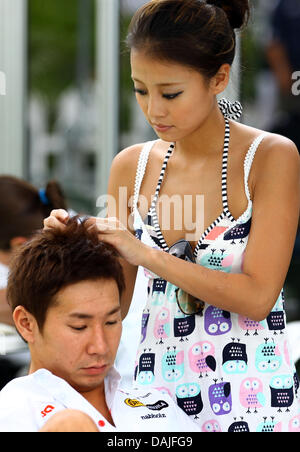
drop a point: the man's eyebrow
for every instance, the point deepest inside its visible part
(114, 311)
(82, 315)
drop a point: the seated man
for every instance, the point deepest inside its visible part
(64, 289)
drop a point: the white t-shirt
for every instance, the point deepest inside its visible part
(3, 276)
(26, 403)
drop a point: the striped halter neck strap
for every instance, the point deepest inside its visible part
(230, 111)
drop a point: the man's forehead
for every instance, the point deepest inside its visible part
(88, 299)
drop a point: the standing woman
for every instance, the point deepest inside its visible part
(216, 207)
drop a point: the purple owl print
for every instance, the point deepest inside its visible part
(202, 358)
(217, 321)
(220, 398)
(251, 394)
(162, 325)
(145, 320)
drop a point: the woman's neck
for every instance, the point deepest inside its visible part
(206, 141)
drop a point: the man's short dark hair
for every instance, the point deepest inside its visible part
(54, 259)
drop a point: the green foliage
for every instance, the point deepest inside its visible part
(252, 61)
(53, 36)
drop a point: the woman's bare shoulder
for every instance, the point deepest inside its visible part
(272, 146)
(127, 159)
(245, 133)
(129, 155)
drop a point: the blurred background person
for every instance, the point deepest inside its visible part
(22, 211)
(283, 55)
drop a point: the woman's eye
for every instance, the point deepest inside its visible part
(172, 96)
(139, 91)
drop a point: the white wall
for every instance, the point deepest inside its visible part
(13, 37)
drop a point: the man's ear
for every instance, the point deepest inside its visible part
(220, 81)
(16, 242)
(25, 323)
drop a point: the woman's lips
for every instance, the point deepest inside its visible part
(161, 127)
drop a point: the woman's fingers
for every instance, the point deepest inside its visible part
(110, 224)
(57, 219)
(61, 214)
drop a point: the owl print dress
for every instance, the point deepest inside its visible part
(230, 373)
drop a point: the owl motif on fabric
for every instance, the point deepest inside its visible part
(189, 398)
(251, 394)
(162, 325)
(202, 358)
(268, 357)
(239, 427)
(184, 325)
(220, 398)
(282, 391)
(269, 426)
(217, 321)
(146, 369)
(173, 365)
(145, 320)
(235, 358)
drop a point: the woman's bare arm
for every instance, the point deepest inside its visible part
(120, 190)
(253, 293)
(276, 201)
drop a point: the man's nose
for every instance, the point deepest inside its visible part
(98, 343)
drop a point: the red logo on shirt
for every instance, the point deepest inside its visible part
(47, 410)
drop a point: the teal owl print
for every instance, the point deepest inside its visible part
(173, 365)
(268, 357)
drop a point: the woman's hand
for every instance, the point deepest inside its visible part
(57, 220)
(111, 230)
